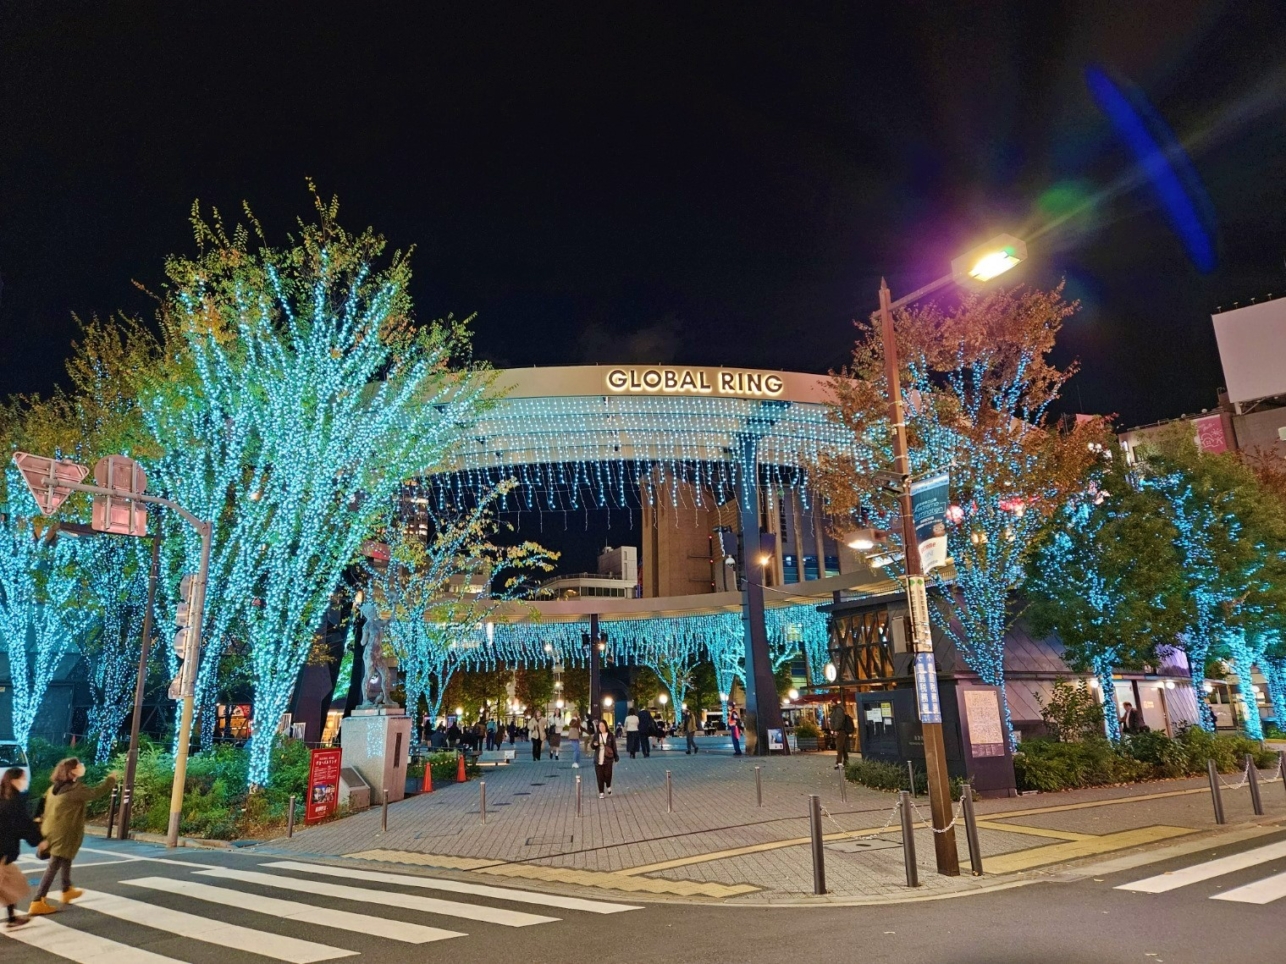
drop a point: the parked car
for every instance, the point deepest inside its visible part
(13, 755)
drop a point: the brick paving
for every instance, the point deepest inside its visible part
(532, 830)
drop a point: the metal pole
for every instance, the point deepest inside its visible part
(111, 814)
(935, 754)
(140, 688)
(759, 788)
(191, 661)
(843, 786)
(1214, 790)
(595, 671)
(482, 799)
(971, 829)
(578, 794)
(669, 794)
(290, 818)
(384, 813)
(910, 777)
(1252, 775)
(908, 840)
(815, 832)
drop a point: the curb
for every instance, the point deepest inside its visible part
(196, 843)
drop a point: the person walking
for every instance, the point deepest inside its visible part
(632, 733)
(842, 739)
(16, 826)
(647, 727)
(573, 734)
(603, 749)
(63, 826)
(555, 733)
(1132, 720)
(734, 730)
(690, 732)
(536, 733)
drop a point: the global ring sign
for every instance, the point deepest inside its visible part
(661, 380)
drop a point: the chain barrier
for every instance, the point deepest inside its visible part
(1245, 777)
(959, 812)
(863, 831)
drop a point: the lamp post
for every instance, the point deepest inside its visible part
(979, 265)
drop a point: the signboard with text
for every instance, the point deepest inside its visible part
(929, 501)
(323, 784)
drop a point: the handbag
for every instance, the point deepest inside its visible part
(14, 889)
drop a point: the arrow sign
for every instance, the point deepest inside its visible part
(42, 476)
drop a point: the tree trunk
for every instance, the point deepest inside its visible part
(1241, 661)
(1111, 711)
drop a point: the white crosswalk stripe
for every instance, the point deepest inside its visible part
(294, 910)
(276, 946)
(457, 887)
(389, 898)
(1259, 892)
(81, 946)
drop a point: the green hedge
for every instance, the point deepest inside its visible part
(892, 777)
(1048, 766)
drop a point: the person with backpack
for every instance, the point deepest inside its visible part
(647, 729)
(16, 826)
(690, 732)
(842, 739)
(63, 826)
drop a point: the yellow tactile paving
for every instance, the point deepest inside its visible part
(444, 861)
(1033, 831)
(1085, 847)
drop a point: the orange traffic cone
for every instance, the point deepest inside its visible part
(459, 772)
(427, 785)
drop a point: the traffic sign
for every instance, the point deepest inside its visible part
(117, 512)
(42, 476)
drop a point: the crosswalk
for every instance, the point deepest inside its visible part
(75, 935)
(1265, 890)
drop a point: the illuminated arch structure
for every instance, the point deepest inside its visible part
(697, 450)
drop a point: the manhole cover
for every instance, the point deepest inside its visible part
(862, 846)
(502, 804)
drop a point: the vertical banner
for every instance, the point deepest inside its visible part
(323, 784)
(929, 500)
(928, 703)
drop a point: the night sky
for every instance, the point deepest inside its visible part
(705, 183)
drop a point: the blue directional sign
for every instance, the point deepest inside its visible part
(926, 689)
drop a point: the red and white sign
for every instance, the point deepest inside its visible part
(1211, 436)
(38, 470)
(119, 514)
(379, 551)
(323, 784)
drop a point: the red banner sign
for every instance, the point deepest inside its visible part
(323, 784)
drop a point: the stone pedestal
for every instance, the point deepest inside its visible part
(376, 743)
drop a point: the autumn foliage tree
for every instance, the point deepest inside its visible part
(977, 385)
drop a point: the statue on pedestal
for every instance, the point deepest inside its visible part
(378, 680)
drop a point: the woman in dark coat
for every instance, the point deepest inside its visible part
(603, 748)
(16, 826)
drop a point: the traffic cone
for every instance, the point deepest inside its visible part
(459, 771)
(427, 785)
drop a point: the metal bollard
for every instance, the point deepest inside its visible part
(910, 777)
(1214, 791)
(578, 794)
(1252, 775)
(111, 814)
(759, 788)
(290, 818)
(815, 832)
(482, 799)
(908, 840)
(669, 794)
(125, 814)
(843, 786)
(971, 829)
(384, 813)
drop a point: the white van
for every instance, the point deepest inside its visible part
(13, 755)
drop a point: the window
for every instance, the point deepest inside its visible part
(860, 646)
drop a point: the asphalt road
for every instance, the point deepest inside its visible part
(145, 906)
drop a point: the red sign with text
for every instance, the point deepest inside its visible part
(323, 784)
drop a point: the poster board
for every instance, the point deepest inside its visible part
(986, 730)
(323, 784)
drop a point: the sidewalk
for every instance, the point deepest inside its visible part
(717, 844)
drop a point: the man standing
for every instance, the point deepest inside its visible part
(647, 726)
(846, 730)
(632, 733)
(690, 731)
(1131, 719)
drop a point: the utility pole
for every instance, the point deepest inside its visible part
(926, 677)
(140, 687)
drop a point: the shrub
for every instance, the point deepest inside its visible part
(892, 777)
(1073, 713)
(807, 729)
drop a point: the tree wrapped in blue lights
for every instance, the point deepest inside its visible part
(301, 395)
(42, 606)
(977, 385)
(1104, 578)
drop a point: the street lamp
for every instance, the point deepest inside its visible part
(607, 701)
(982, 264)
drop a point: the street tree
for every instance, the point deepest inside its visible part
(977, 386)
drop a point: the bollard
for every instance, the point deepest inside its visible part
(669, 794)
(290, 818)
(125, 814)
(578, 794)
(815, 832)
(1252, 775)
(910, 777)
(384, 813)
(482, 799)
(1214, 790)
(908, 840)
(111, 814)
(971, 829)
(759, 788)
(843, 786)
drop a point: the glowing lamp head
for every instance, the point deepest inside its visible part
(764, 559)
(459, 711)
(607, 701)
(993, 264)
(793, 693)
(663, 699)
(831, 673)
(723, 697)
(989, 260)
(549, 647)
(558, 703)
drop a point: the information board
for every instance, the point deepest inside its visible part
(323, 784)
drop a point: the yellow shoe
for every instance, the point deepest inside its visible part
(39, 907)
(71, 893)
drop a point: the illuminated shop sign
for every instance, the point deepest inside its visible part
(695, 381)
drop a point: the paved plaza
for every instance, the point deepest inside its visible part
(717, 843)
